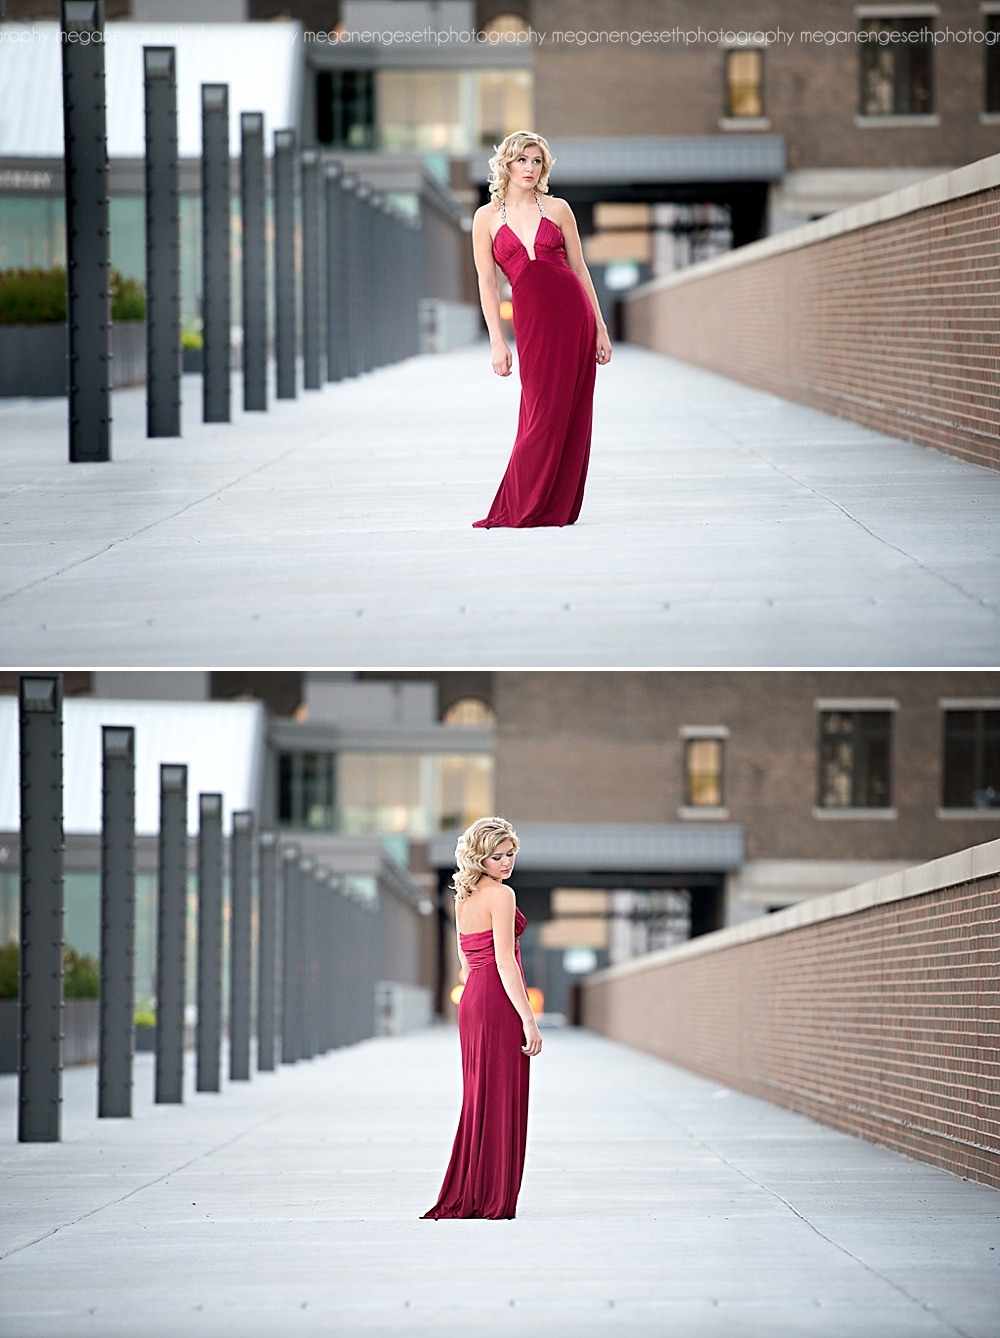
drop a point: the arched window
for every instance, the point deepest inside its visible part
(469, 711)
(506, 23)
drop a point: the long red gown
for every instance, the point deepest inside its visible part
(556, 333)
(484, 1175)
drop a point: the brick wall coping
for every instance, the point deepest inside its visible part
(968, 180)
(949, 871)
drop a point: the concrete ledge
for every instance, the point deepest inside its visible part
(980, 861)
(968, 180)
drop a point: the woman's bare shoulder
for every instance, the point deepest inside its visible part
(558, 207)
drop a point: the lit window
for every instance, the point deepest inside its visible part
(896, 70)
(703, 773)
(502, 24)
(971, 759)
(744, 84)
(469, 711)
(854, 759)
(451, 111)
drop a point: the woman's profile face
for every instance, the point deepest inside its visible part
(500, 864)
(526, 169)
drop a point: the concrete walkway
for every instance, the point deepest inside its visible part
(722, 527)
(653, 1203)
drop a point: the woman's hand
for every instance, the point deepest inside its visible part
(603, 347)
(502, 360)
(532, 1039)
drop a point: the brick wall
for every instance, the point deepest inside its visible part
(892, 323)
(881, 1021)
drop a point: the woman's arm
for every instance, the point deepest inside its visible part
(564, 217)
(489, 291)
(463, 961)
(502, 916)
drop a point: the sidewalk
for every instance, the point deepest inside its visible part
(721, 527)
(653, 1203)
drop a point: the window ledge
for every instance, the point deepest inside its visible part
(716, 814)
(887, 122)
(847, 814)
(963, 814)
(989, 118)
(744, 123)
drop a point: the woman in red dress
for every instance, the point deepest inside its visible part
(496, 1027)
(560, 333)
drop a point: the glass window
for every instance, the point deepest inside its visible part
(414, 795)
(744, 83)
(504, 104)
(854, 759)
(345, 108)
(896, 67)
(451, 111)
(992, 24)
(971, 759)
(703, 773)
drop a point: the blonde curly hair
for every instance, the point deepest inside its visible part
(475, 845)
(508, 152)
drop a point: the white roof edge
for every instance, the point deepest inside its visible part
(950, 870)
(969, 180)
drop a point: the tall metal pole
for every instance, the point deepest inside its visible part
(267, 864)
(114, 1087)
(254, 208)
(40, 1064)
(289, 953)
(209, 941)
(284, 262)
(363, 252)
(312, 286)
(303, 992)
(163, 246)
(354, 291)
(240, 944)
(215, 250)
(336, 273)
(88, 266)
(171, 935)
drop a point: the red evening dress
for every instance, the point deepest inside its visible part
(484, 1174)
(556, 333)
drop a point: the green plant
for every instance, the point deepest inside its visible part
(32, 296)
(128, 298)
(145, 1017)
(81, 976)
(191, 339)
(9, 976)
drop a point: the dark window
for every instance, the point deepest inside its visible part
(854, 759)
(993, 63)
(345, 108)
(896, 67)
(703, 773)
(744, 84)
(971, 759)
(307, 790)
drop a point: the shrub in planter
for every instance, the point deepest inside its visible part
(81, 976)
(9, 977)
(38, 297)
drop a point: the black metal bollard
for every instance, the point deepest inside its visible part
(253, 204)
(312, 285)
(303, 993)
(114, 1086)
(336, 275)
(39, 1108)
(267, 857)
(163, 246)
(171, 935)
(209, 941)
(88, 265)
(240, 944)
(290, 937)
(215, 250)
(286, 334)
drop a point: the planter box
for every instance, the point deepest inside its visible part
(192, 360)
(33, 359)
(9, 1035)
(145, 1039)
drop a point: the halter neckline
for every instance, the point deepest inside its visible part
(503, 208)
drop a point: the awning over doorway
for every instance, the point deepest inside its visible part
(634, 847)
(625, 160)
